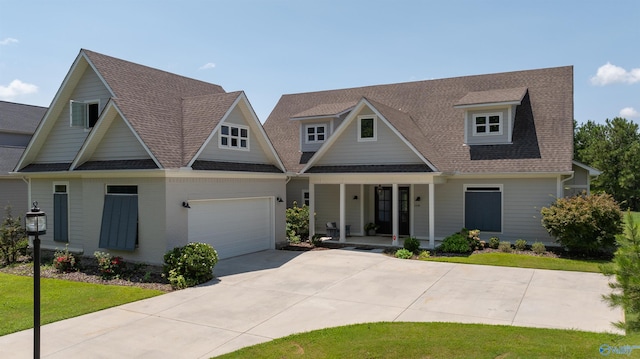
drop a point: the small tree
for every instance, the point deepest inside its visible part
(297, 223)
(585, 224)
(13, 239)
(626, 268)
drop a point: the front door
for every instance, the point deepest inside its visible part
(384, 210)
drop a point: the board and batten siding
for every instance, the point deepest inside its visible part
(522, 200)
(64, 141)
(119, 143)
(255, 154)
(387, 149)
(180, 190)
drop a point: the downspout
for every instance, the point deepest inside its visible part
(561, 192)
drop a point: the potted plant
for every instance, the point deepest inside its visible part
(371, 228)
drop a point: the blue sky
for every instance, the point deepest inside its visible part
(273, 47)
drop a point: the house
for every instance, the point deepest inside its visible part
(428, 158)
(135, 161)
(17, 124)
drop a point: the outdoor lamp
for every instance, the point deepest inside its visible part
(36, 223)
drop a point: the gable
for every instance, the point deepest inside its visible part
(386, 149)
(119, 143)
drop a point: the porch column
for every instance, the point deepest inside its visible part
(312, 210)
(361, 197)
(343, 215)
(432, 216)
(412, 210)
(394, 214)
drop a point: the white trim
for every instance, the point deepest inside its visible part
(308, 193)
(490, 104)
(487, 125)
(375, 128)
(86, 113)
(239, 138)
(592, 171)
(315, 133)
(500, 187)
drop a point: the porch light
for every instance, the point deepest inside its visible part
(379, 189)
(36, 223)
(418, 199)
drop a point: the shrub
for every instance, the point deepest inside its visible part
(626, 268)
(13, 238)
(521, 244)
(424, 255)
(584, 224)
(538, 248)
(64, 261)
(190, 265)
(494, 242)
(412, 244)
(297, 223)
(404, 253)
(505, 247)
(109, 266)
(455, 243)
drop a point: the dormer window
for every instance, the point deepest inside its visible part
(234, 137)
(487, 124)
(315, 133)
(84, 113)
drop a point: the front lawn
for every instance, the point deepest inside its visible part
(441, 340)
(525, 261)
(60, 299)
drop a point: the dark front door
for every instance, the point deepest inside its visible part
(383, 210)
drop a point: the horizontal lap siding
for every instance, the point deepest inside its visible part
(327, 205)
(13, 192)
(64, 141)
(294, 191)
(421, 211)
(119, 143)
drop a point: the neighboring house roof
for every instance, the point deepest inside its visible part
(172, 116)
(428, 115)
(20, 118)
(9, 156)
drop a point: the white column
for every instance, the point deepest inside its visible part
(432, 216)
(412, 196)
(361, 198)
(394, 214)
(312, 210)
(343, 214)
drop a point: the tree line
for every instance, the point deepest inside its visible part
(614, 149)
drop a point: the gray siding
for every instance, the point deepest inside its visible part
(294, 191)
(388, 148)
(312, 147)
(522, 201)
(119, 143)
(64, 141)
(214, 153)
(13, 191)
(507, 123)
(327, 207)
(421, 211)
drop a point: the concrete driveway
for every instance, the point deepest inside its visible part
(270, 294)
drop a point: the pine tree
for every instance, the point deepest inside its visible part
(12, 237)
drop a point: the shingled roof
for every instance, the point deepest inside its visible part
(20, 118)
(427, 115)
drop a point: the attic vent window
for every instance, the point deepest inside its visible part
(234, 137)
(84, 113)
(316, 133)
(367, 128)
(487, 124)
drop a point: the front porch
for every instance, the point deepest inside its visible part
(378, 241)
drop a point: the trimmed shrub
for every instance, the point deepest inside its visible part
(424, 255)
(190, 265)
(538, 248)
(412, 244)
(455, 243)
(108, 265)
(521, 245)
(505, 247)
(404, 253)
(494, 242)
(585, 224)
(297, 223)
(13, 238)
(64, 261)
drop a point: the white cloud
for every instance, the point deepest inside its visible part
(207, 66)
(8, 41)
(629, 112)
(610, 74)
(16, 88)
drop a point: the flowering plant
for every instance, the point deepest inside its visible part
(63, 261)
(108, 265)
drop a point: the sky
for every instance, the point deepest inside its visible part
(268, 48)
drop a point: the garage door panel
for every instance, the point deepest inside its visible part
(232, 227)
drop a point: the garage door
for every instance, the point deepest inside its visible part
(232, 226)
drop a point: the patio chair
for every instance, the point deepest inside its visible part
(332, 230)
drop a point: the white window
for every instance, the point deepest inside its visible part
(84, 113)
(315, 133)
(487, 124)
(305, 197)
(367, 128)
(234, 137)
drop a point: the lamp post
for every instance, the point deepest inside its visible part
(36, 224)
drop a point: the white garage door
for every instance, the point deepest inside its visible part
(233, 226)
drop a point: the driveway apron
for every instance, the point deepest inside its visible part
(261, 296)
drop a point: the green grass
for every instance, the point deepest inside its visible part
(60, 299)
(525, 261)
(438, 340)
